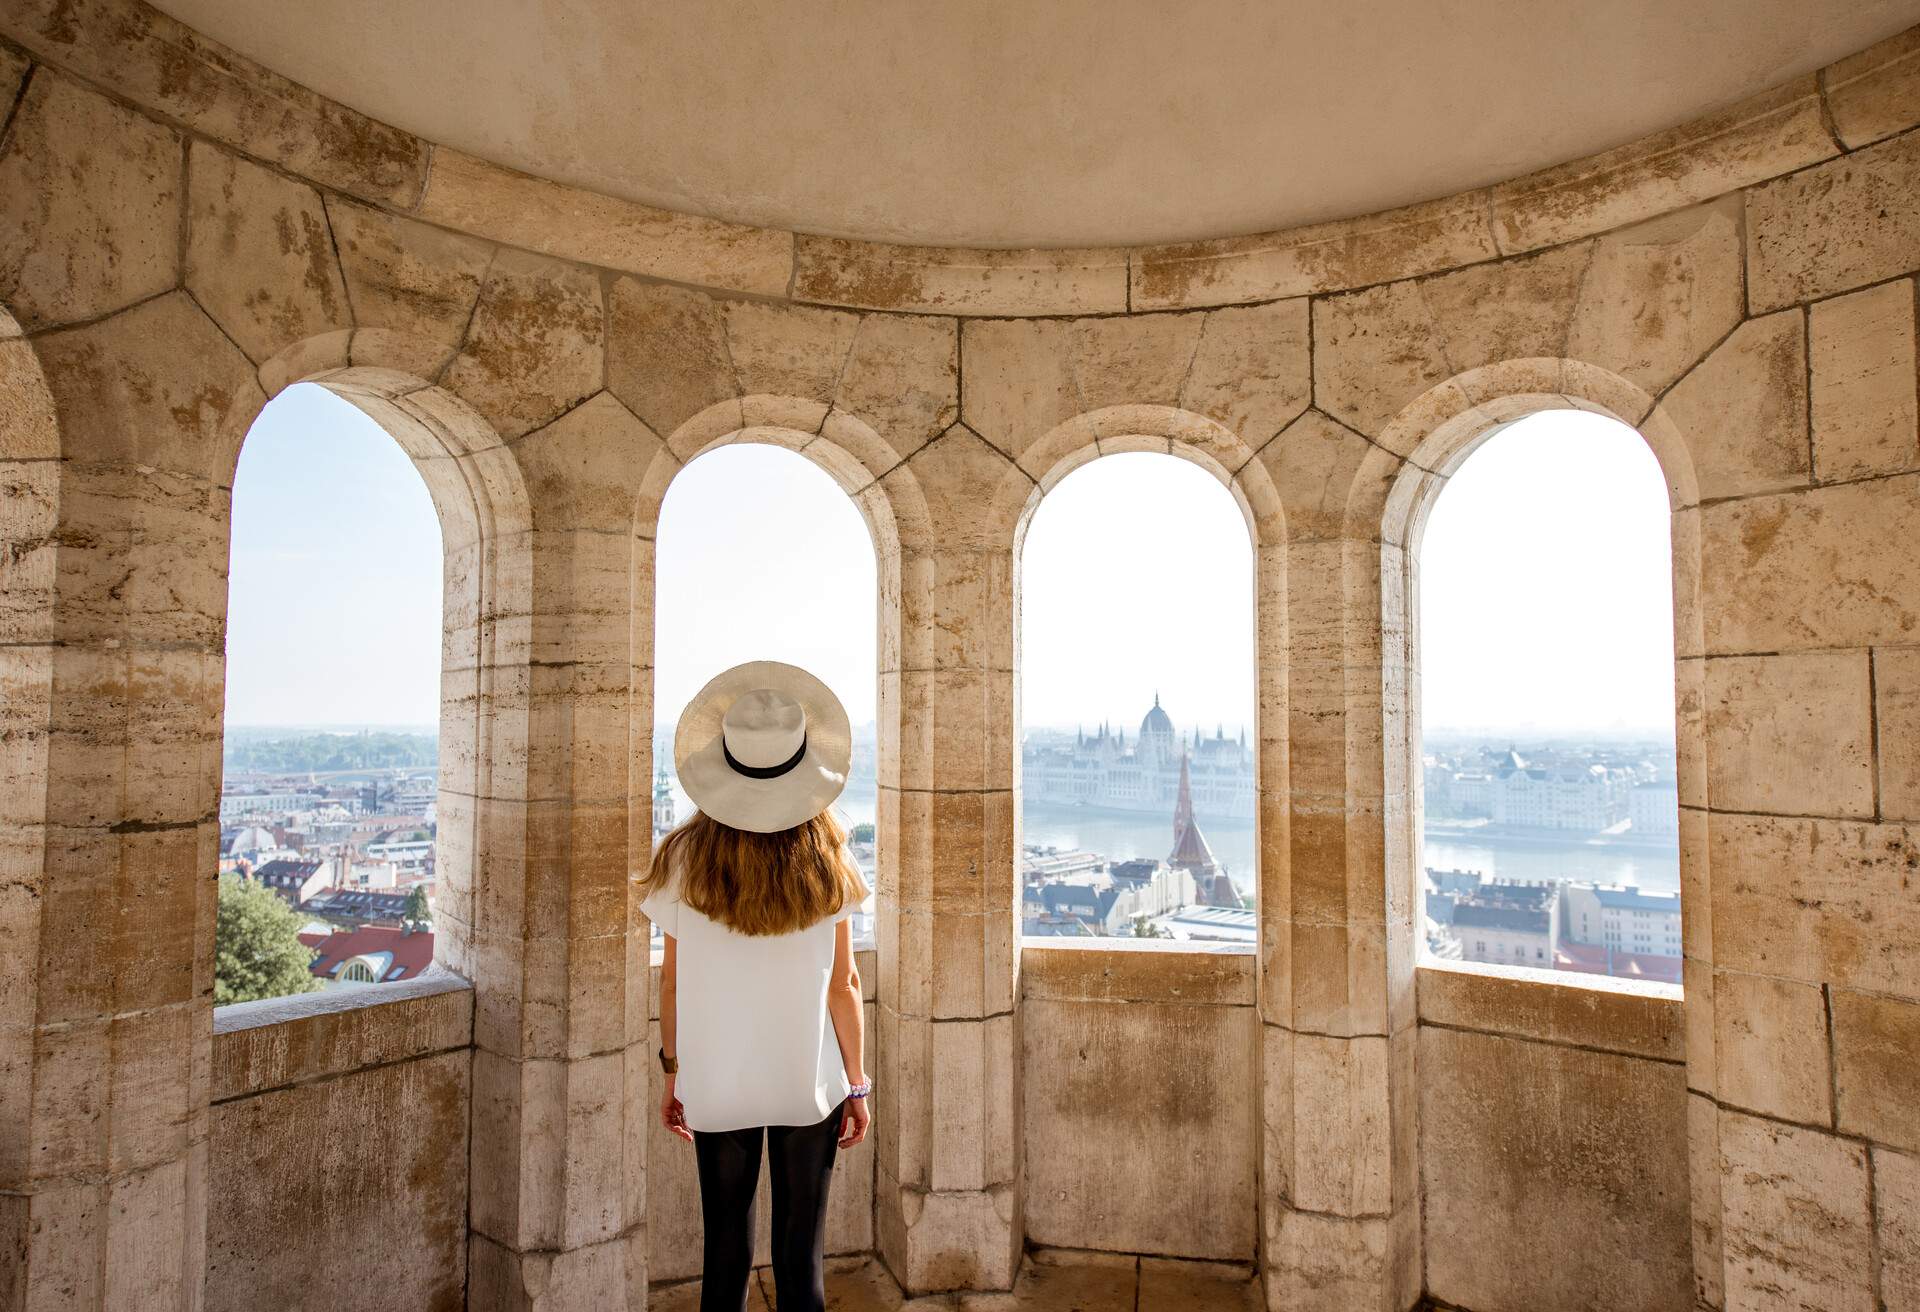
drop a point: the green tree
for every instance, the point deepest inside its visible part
(862, 832)
(257, 952)
(1145, 928)
(417, 907)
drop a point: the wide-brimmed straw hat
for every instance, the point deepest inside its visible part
(764, 746)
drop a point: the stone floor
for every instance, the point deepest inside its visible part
(1050, 1281)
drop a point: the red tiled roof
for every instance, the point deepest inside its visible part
(412, 953)
(1592, 959)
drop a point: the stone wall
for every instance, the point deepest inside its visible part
(183, 234)
(1553, 1142)
(337, 1154)
(1141, 1125)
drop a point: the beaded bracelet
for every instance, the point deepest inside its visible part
(861, 1090)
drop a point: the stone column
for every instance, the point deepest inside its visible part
(947, 1206)
(553, 939)
(114, 667)
(1340, 1212)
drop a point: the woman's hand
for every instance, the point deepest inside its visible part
(673, 1115)
(853, 1124)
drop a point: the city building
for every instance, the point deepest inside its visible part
(371, 954)
(261, 806)
(295, 879)
(1653, 810)
(1624, 919)
(1509, 923)
(1105, 770)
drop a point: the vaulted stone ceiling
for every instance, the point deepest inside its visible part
(989, 122)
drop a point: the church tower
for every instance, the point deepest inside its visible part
(1190, 852)
(664, 815)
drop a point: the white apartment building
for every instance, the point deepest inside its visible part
(238, 806)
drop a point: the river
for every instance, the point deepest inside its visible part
(1120, 835)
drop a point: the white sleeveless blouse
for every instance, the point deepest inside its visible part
(755, 1042)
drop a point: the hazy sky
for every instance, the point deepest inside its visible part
(1546, 583)
(761, 556)
(1546, 592)
(1137, 578)
(333, 614)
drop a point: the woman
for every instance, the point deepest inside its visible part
(760, 1015)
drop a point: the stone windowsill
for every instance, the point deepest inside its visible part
(1630, 1017)
(277, 1042)
(1137, 970)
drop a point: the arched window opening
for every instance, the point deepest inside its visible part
(1551, 812)
(760, 555)
(1137, 748)
(330, 765)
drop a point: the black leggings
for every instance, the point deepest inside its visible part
(800, 1159)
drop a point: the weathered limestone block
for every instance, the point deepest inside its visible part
(1620, 1016)
(667, 357)
(1875, 93)
(1696, 979)
(957, 613)
(573, 223)
(1251, 373)
(408, 283)
(259, 254)
(870, 275)
(1342, 1127)
(1743, 410)
(163, 65)
(1316, 1263)
(608, 1274)
(1332, 481)
(1798, 1232)
(1875, 1042)
(1659, 295)
(791, 353)
(962, 720)
(902, 377)
(89, 206)
(1896, 1192)
(1188, 1186)
(1763, 136)
(973, 498)
(589, 470)
(1866, 419)
(1375, 351)
(1375, 248)
(1132, 360)
(940, 1240)
(1770, 1046)
(1896, 709)
(1790, 735)
(159, 385)
(1018, 389)
(973, 1114)
(303, 1174)
(1828, 567)
(1843, 224)
(1817, 900)
(1703, 1178)
(1513, 309)
(549, 1169)
(1537, 1149)
(535, 348)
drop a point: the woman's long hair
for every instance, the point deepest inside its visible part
(759, 883)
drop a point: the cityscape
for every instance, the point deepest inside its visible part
(1554, 854)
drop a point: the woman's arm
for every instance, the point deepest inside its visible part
(849, 1026)
(672, 1115)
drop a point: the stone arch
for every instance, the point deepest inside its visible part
(1206, 442)
(1443, 427)
(483, 506)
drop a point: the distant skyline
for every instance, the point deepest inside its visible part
(1545, 584)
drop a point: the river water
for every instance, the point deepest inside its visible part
(1120, 835)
